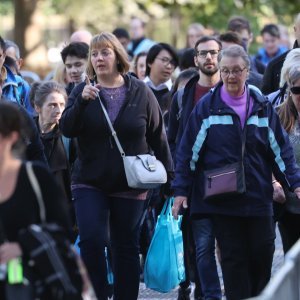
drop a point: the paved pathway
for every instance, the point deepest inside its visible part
(149, 294)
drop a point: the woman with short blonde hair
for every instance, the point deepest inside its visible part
(107, 210)
(109, 40)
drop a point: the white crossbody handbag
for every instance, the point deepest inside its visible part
(142, 171)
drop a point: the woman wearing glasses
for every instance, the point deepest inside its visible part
(232, 144)
(107, 210)
(161, 63)
(288, 111)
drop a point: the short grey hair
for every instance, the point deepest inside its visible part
(235, 51)
(9, 44)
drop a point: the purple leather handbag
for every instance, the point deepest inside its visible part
(230, 179)
(226, 181)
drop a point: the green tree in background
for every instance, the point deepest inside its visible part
(167, 19)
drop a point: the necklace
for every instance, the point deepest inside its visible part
(113, 93)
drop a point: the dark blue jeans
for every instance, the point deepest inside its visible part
(102, 221)
(246, 248)
(205, 256)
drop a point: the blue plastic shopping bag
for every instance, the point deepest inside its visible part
(164, 266)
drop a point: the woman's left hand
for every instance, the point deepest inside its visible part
(179, 202)
(9, 251)
(297, 192)
(278, 193)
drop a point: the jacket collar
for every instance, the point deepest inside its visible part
(192, 82)
(217, 106)
(168, 84)
(9, 78)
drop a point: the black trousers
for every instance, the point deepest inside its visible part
(289, 227)
(247, 248)
(190, 265)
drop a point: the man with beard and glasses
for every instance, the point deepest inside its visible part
(206, 52)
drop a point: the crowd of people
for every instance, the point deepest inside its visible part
(216, 117)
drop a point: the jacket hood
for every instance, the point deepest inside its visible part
(10, 78)
(192, 81)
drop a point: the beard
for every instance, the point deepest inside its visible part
(208, 72)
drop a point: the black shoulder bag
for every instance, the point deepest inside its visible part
(49, 254)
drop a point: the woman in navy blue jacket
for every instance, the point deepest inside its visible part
(106, 208)
(213, 139)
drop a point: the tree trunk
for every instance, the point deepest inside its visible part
(24, 10)
(175, 23)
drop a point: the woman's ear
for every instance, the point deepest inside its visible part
(37, 108)
(14, 137)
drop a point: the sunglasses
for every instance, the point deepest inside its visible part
(295, 90)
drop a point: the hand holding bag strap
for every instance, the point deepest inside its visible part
(113, 132)
(37, 190)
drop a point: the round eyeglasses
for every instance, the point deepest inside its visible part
(235, 72)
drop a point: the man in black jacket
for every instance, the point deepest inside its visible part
(241, 26)
(206, 52)
(271, 77)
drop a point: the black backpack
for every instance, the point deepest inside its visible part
(51, 261)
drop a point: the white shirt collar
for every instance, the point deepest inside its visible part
(168, 84)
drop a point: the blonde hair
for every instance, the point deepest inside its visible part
(287, 112)
(108, 40)
(297, 18)
(60, 74)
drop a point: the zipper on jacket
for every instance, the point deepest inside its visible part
(111, 143)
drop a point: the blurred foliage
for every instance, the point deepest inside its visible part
(211, 13)
(167, 20)
(214, 14)
(6, 7)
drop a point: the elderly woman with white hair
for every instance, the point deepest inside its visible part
(289, 112)
(231, 145)
(293, 58)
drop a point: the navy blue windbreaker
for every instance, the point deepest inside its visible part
(213, 139)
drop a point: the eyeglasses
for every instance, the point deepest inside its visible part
(295, 90)
(234, 72)
(166, 61)
(203, 53)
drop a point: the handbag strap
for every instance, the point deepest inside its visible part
(245, 125)
(37, 190)
(113, 132)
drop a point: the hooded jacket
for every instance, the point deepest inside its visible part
(179, 115)
(213, 139)
(16, 89)
(139, 127)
